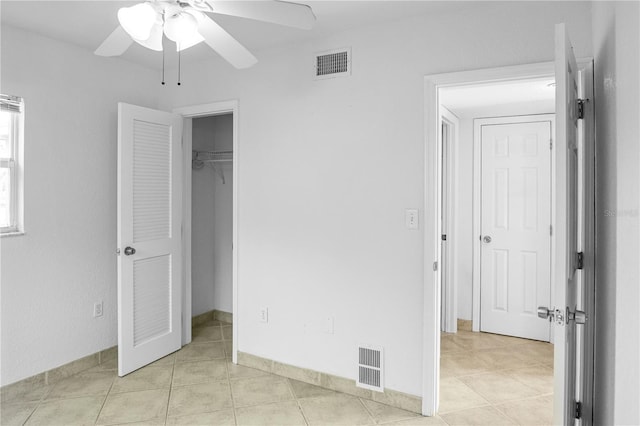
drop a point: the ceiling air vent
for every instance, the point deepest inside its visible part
(333, 63)
(370, 372)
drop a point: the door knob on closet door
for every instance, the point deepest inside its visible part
(486, 239)
(129, 251)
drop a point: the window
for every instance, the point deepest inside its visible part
(11, 167)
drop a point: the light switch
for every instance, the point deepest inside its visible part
(411, 218)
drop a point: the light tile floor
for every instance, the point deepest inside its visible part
(489, 379)
(486, 379)
(198, 385)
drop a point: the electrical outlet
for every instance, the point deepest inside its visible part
(264, 314)
(411, 218)
(97, 309)
(328, 328)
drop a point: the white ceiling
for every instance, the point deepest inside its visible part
(87, 23)
(466, 99)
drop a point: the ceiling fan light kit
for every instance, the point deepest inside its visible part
(186, 23)
(138, 20)
(182, 27)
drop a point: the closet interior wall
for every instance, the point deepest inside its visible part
(211, 240)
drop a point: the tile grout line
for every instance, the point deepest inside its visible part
(173, 372)
(295, 397)
(226, 366)
(506, 415)
(233, 400)
(375, 422)
(31, 414)
(488, 403)
(105, 401)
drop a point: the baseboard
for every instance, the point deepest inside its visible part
(464, 325)
(198, 320)
(223, 316)
(340, 384)
(34, 387)
(210, 316)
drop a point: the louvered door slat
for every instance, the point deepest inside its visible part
(151, 181)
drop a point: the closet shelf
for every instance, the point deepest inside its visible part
(199, 159)
(213, 156)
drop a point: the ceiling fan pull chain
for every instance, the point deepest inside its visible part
(163, 65)
(179, 55)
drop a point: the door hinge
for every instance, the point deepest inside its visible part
(435, 266)
(550, 144)
(580, 107)
(444, 237)
(578, 410)
(579, 260)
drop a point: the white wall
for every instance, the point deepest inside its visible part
(464, 238)
(51, 276)
(212, 209)
(616, 40)
(326, 169)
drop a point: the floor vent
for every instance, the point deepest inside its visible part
(370, 372)
(333, 63)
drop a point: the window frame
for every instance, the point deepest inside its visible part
(14, 163)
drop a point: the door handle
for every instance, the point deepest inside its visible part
(551, 314)
(129, 251)
(545, 313)
(578, 316)
(486, 239)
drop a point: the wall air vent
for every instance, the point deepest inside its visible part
(370, 368)
(333, 63)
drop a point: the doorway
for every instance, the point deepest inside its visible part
(503, 198)
(210, 155)
(212, 214)
(433, 346)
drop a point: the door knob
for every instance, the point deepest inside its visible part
(129, 251)
(551, 314)
(486, 239)
(544, 312)
(578, 316)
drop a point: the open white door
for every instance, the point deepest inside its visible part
(149, 235)
(565, 316)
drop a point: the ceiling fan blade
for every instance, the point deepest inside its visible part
(277, 12)
(116, 44)
(222, 42)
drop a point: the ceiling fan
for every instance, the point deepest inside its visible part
(186, 23)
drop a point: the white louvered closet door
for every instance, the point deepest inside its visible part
(149, 236)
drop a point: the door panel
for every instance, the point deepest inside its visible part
(515, 275)
(149, 236)
(566, 278)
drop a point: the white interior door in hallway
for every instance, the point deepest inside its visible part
(515, 248)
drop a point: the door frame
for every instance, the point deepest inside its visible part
(450, 286)
(188, 113)
(477, 200)
(432, 229)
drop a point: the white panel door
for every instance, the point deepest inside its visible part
(515, 264)
(149, 236)
(567, 211)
